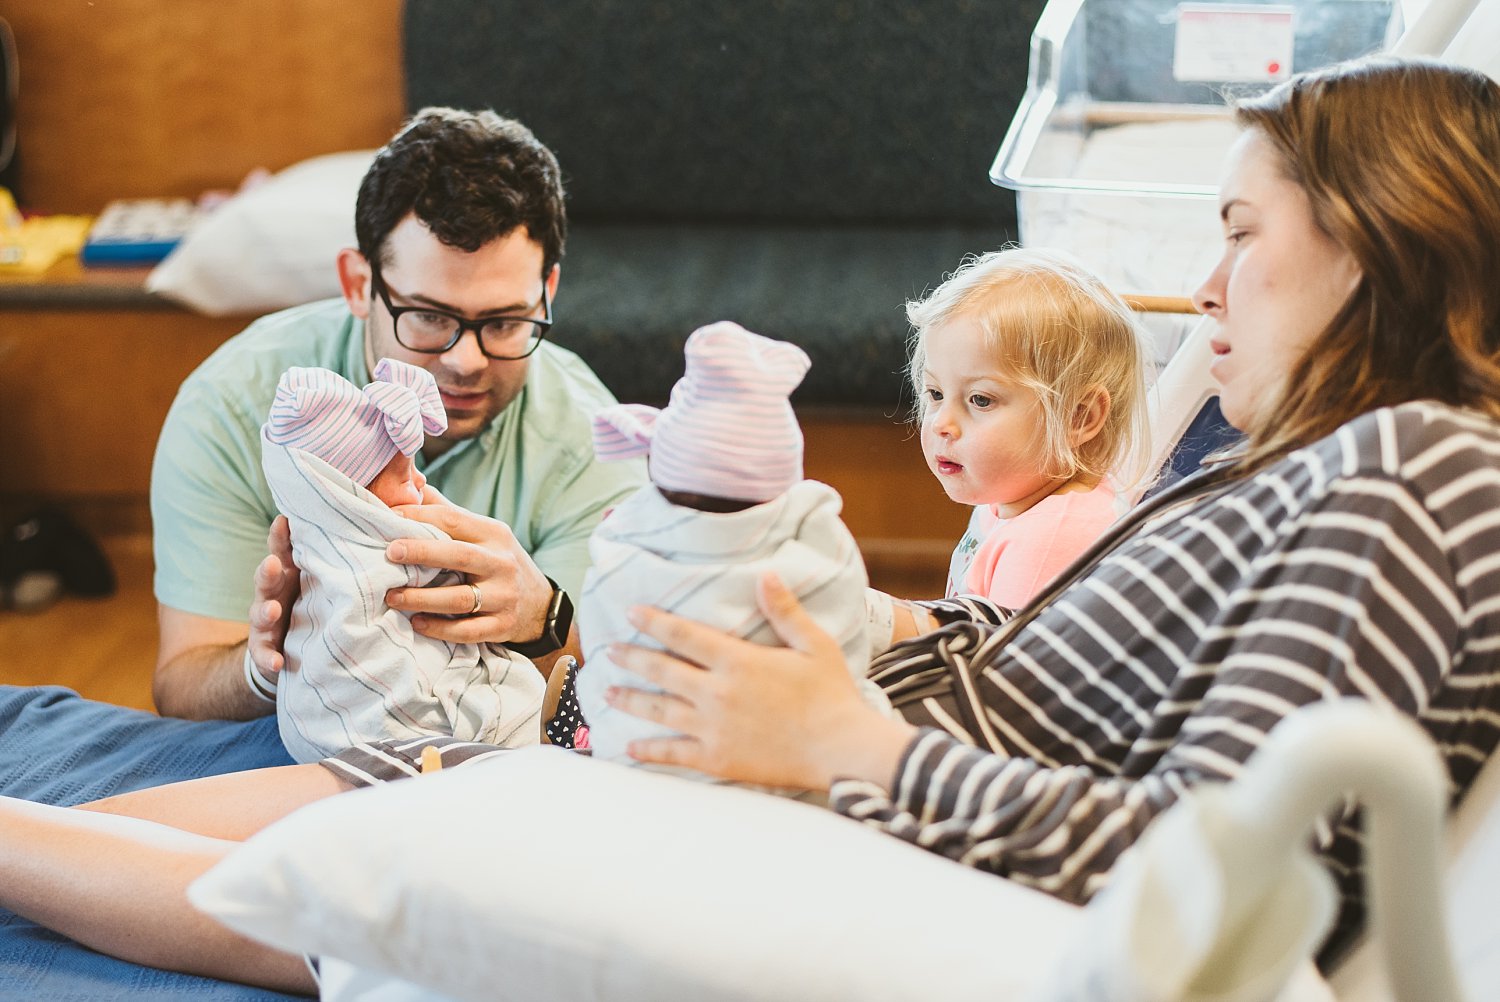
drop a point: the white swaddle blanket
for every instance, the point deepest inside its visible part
(705, 566)
(355, 669)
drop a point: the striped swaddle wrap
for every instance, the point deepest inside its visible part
(356, 670)
(706, 567)
(728, 432)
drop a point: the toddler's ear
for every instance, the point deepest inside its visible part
(624, 431)
(1089, 415)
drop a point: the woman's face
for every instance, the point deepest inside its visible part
(1279, 283)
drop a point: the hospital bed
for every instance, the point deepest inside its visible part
(58, 748)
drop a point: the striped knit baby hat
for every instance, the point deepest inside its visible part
(355, 431)
(729, 430)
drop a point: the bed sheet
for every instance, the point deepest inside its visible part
(58, 748)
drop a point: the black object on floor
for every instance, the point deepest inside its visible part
(47, 553)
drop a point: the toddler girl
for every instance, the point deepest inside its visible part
(337, 459)
(726, 503)
(1030, 382)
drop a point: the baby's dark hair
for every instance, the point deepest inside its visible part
(470, 177)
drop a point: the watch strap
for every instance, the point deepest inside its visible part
(554, 628)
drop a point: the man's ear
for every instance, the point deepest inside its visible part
(1088, 416)
(552, 279)
(354, 281)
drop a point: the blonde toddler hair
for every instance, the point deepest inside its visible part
(1053, 326)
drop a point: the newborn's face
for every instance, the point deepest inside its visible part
(399, 483)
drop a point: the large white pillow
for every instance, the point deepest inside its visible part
(271, 246)
(545, 875)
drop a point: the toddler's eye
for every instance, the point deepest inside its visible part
(981, 401)
(932, 394)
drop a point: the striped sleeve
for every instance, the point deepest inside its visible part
(966, 608)
(1370, 583)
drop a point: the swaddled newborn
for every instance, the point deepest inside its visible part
(726, 504)
(337, 457)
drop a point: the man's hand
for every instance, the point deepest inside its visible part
(200, 662)
(504, 597)
(277, 584)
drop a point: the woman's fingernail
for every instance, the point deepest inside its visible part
(396, 551)
(636, 615)
(611, 694)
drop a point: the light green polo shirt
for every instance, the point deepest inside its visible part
(533, 468)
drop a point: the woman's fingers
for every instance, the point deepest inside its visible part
(658, 707)
(689, 640)
(658, 668)
(791, 622)
(680, 751)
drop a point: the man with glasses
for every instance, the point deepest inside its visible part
(460, 226)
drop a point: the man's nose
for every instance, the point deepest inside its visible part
(466, 356)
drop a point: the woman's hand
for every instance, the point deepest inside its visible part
(512, 596)
(782, 716)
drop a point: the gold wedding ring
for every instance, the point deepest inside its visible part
(477, 598)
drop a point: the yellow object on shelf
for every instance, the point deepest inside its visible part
(31, 246)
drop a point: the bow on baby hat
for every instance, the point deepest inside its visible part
(355, 431)
(729, 430)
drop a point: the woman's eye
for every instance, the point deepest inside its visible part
(1234, 236)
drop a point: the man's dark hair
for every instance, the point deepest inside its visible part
(470, 177)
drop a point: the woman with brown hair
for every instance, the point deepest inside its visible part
(1348, 550)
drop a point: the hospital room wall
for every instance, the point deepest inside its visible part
(144, 98)
(141, 98)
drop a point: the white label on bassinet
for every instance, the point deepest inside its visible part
(1229, 42)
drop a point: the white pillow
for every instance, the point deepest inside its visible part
(545, 875)
(271, 246)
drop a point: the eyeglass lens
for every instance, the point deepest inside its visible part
(421, 330)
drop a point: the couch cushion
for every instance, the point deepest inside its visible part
(881, 110)
(631, 294)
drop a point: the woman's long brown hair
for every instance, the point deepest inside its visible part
(1401, 162)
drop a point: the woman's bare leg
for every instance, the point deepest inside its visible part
(233, 806)
(119, 885)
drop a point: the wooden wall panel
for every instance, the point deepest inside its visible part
(83, 394)
(138, 98)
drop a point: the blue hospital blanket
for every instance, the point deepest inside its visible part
(58, 748)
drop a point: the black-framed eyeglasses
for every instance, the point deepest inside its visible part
(432, 331)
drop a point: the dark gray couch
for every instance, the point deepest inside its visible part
(800, 166)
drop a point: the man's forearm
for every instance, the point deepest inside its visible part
(207, 683)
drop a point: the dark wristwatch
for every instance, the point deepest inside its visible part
(554, 629)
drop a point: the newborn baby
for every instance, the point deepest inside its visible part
(338, 458)
(726, 504)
